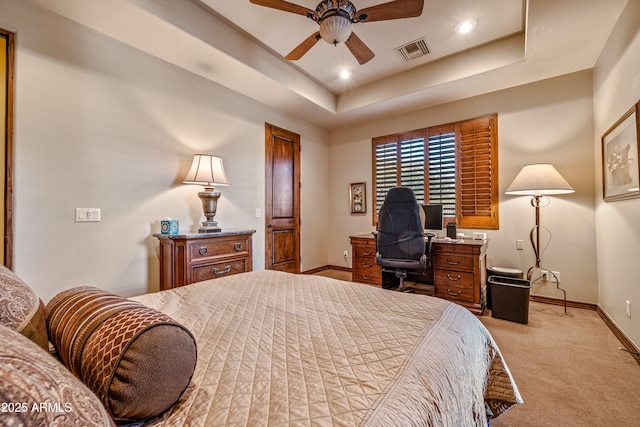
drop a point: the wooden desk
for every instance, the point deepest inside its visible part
(458, 270)
(194, 257)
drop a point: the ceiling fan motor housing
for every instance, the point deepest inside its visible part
(335, 21)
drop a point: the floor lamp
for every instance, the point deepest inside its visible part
(537, 181)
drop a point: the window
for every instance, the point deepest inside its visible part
(455, 165)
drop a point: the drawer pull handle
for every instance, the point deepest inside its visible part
(453, 294)
(452, 262)
(217, 272)
(203, 250)
(365, 277)
(456, 278)
(366, 253)
(366, 265)
(237, 246)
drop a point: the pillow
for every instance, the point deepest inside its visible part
(137, 360)
(21, 309)
(37, 390)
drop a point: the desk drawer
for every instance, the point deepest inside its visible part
(209, 249)
(361, 252)
(453, 292)
(370, 275)
(452, 261)
(452, 248)
(220, 269)
(454, 278)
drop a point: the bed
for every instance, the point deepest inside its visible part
(282, 349)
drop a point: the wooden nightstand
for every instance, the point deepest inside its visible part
(190, 258)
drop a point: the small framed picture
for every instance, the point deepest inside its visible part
(358, 197)
(620, 163)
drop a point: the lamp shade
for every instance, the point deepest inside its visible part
(206, 170)
(537, 180)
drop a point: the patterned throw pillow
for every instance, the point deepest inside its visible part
(137, 360)
(21, 309)
(37, 390)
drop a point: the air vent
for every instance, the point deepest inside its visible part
(413, 50)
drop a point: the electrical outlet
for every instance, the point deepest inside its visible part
(345, 254)
(555, 276)
(545, 276)
(628, 309)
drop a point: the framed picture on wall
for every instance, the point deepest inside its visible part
(358, 197)
(620, 163)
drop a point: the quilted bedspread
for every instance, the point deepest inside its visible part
(282, 349)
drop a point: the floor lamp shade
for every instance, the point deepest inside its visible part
(208, 171)
(539, 180)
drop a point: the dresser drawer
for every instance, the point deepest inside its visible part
(454, 292)
(219, 269)
(453, 261)
(200, 250)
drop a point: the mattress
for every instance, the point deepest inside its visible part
(283, 349)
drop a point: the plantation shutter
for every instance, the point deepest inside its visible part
(385, 170)
(455, 165)
(398, 160)
(412, 163)
(477, 179)
(441, 152)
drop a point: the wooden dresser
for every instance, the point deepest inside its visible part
(457, 271)
(190, 258)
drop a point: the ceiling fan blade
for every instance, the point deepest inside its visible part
(360, 50)
(304, 47)
(283, 5)
(397, 9)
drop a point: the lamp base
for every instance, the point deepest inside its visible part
(209, 227)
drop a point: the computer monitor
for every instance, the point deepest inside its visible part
(432, 217)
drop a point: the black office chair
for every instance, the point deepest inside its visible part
(400, 240)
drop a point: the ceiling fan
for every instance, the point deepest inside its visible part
(335, 18)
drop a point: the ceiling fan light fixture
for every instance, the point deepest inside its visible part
(335, 29)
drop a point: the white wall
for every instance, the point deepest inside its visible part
(549, 121)
(100, 124)
(616, 89)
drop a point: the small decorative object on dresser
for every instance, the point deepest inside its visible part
(358, 197)
(189, 258)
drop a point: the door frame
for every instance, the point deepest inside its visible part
(7, 223)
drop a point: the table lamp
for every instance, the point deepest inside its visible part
(208, 171)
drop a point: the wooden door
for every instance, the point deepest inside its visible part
(282, 216)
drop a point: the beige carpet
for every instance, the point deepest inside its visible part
(568, 368)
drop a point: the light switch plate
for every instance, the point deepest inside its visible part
(87, 214)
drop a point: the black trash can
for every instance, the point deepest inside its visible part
(503, 272)
(510, 298)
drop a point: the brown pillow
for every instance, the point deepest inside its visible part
(21, 309)
(37, 390)
(137, 360)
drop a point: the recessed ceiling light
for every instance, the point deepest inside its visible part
(345, 74)
(465, 26)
